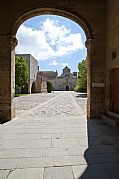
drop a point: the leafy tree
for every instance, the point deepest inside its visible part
(82, 77)
(21, 71)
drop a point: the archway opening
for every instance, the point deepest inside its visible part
(33, 88)
(69, 43)
(67, 88)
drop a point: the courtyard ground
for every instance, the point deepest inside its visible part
(50, 138)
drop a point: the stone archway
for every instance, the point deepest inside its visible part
(33, 88)
(87, 20)
(67, 88)
(79, 20)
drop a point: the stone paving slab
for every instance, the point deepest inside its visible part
(35, 162)
(69, 161)
(112, 169)
(67, 142)
(17, 144)
(32, 173)
(89, 172)
(56, 152)
(59, 173)
(28, 153)
(6, 164)
(4, 174)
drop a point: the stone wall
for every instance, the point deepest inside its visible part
(32, 69)
(112, 44)
(59, 84)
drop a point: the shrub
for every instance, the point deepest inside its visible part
(82, 77)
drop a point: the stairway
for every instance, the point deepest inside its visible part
(111, 118)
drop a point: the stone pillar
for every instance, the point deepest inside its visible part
(7, 77)
(95, 82)
(89, 46)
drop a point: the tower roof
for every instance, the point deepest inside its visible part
(66, 67)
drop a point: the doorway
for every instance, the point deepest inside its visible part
(114, 91)
(67, 88)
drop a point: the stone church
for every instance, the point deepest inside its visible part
(65, 82)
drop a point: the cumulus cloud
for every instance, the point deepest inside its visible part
(64, 64)
(48, 41)
(54, 63)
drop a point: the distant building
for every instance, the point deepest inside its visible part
(32, 72)
(65, 82)
(42, 78)
(37, 80)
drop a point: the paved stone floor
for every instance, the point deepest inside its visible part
(51, 139)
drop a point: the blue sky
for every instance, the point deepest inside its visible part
(54, 41)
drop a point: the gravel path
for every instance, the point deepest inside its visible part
(55, 103)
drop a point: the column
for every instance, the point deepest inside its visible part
(89, 46)
(7, 77)
(96, 78)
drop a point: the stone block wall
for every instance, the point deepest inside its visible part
(59, 84)
(112, 44)
(32, 69)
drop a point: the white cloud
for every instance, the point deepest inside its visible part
(49, 41)
(54, 63)
(64, 64)
(33, 42)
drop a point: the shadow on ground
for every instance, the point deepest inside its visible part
(81, 95)
(102, 155)
(3, 119)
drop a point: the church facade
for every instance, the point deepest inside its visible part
(66, 81)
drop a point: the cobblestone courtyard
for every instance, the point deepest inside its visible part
(50, 138)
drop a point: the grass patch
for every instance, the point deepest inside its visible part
(18, 95)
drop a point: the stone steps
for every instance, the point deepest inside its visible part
(111, 118)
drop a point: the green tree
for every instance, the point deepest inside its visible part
(82, 77)
(21, 71)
